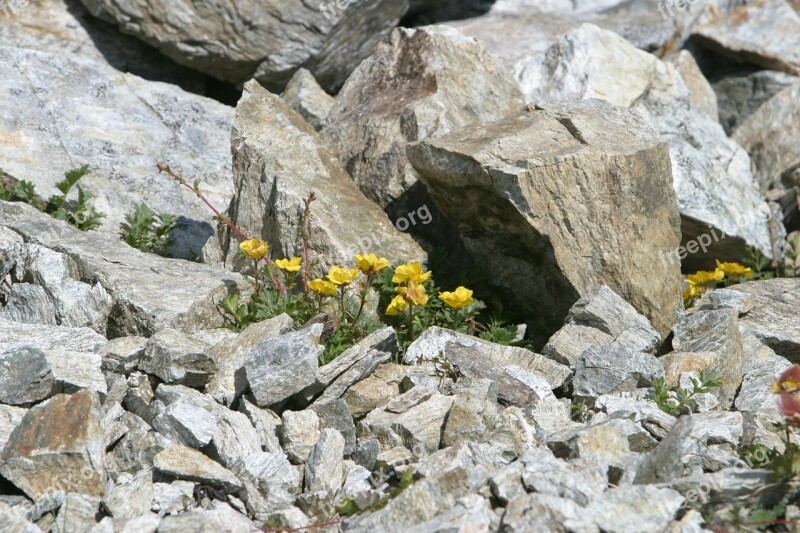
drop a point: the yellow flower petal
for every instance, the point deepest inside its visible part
(735, 270)
(410, 272)
(704, 278)
(458, 299)
(397, 306)
(371, 264)
(414, 293)
(343, 276)
(289, 265)
(320, 286)
(254, 248)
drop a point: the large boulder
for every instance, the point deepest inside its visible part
(278, 160)
(121, 126)
(552, 217)
(741, 94)
(263, 40)
(721, 207)
(418, 83)
(148, 293)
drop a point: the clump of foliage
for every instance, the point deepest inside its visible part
(411, 300)
(725, 275)
(78, 212)
(677, 400)
(147, 230)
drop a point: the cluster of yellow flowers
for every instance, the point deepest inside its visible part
(701, 281)
(342, 277)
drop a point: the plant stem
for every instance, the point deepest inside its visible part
(364, 292)
(410, 322)
(255, 269)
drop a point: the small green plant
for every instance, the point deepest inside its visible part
(760, 264)
(790, 267)
(148, 231)
(677, 400)
(580, 412)
(79, 212)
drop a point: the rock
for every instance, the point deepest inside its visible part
(680, 453)
(336, 415)
(323, 471)
(418, 83)
(268, 42)
(701, 95)
(26, 375)
(355, 364)
(545, 474)
(470, 513)
(230, 381)
(751, 33)
(191, 131)
(771, 319)
(29, 304)
(644, 412)
(219, 517)
(187, 423)
(304, 95)
(759, 371)
(629, 509)
(739, 95)
(10, 417)
(763, 134)
(376, 390)
(731, 299)
(131, 498)
(178, 358)
(52, 338)
(78, 512)
(60, 440)
(123, 354)
(600, 318)
(266, 424)
(235, 439)
(473, 415)
(721, 208)
(714, 331)
(172, 498)
(14, 522)
(540, 512)
(282, 366)
(520, 373)
(299, 433)
(150, 293)
(185, 463)
(608, 370)
(272, 469)
(299, 164)
(462, 162)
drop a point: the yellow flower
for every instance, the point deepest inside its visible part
(735, 270)
(458, 299)
(254, 249)
(410, 272)
(343, 276)
(690, 293)
(397, 306)
(704, 278)
(414, 293)
(289, 265)
(320, 286)
(371, 264)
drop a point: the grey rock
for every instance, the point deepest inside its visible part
(272, 208)
(721, 207)
(470, 513)
(178, 358)
(266, 424)
(376, 390)
(750, 32)
(771, 319)
(186, 423)
(761, 369)
(679, 454)
(727, 485)
(473, 414)
(336, 415)
(234, 438)
(741, 95)
(13, 253)
(776, 162)
(150, 293)
(280, 367)
(607, 370)
(601, 318)
(323, 471)
(355, 364)
(515, 369)
(10, 417)
(542, 512)
(219, 517)
(271, 470)
(644, 412)
(188, 464)
(701, 94)
(299, 433)
(58, 443)
(135, 451)
(130, 498)
(731, 299)
(506, 483)
(77, 513)
(139, 395)
(52, 338)
(26, 376)
(304, 95)
(14, 522)
(630, 509)
(545, 474)
(418, 83)
(172, 498)
(714, 331)
(29, 304)
(366, 453)
(474, 159)
(166, 124)
(122, 355)
(230, 381)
